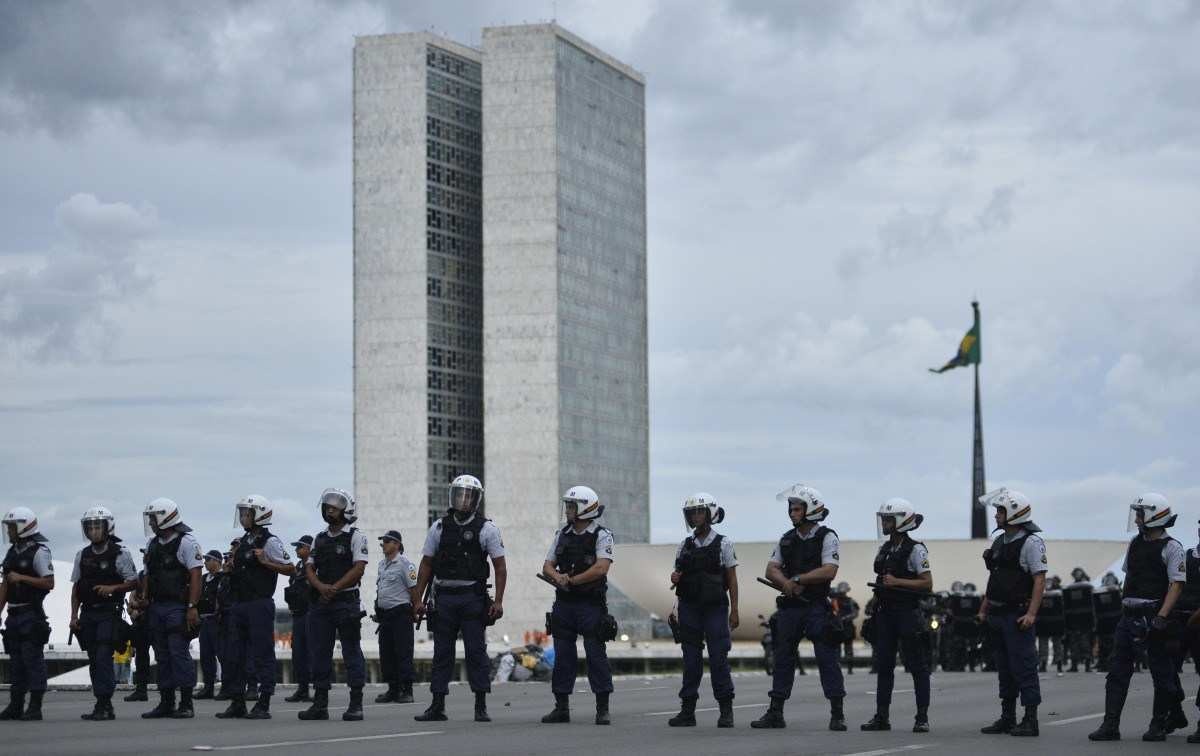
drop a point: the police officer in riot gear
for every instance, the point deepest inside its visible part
(296, 595)
(395, 592)
(1155, 570)
(258, 562)
(172, 588)
(210, 629)
(804, 564)
(901, 574)
(28, 576)
(139, 639)
(578, 562)
(1080, 619)
(1017, 565)
(1051, 625)
(1107, 602)
(455, 560)
(846, 609)
(103, 573)
(705, 580)
(334, 569)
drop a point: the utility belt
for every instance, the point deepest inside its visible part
(37, 631)
(572, 597)
(606, 628)
(398, 612)
(799, 602)
(1007, 609)
(21, 608)
(121, 633)
(1141, 611)
(457, 590)
(345, 596)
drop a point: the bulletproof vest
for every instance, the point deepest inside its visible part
(1008, 584)
(574, 555)
(210, 586)
(331, 555)
(1146, 575)
(801, 555)
(1051, 617)
(251, 579)
(703, 578)
(22, 564)
(96, 570)
(1191, 589)
(893, 560)
(460, 555)
(296, 592)
(166, 578)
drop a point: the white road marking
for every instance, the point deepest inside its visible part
(285, 743)
(334, 706)
(901, 749)
(1073, 720)
(894, 691)
(711, 708)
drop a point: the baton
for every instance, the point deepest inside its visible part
(542, 576)
(877, 587)
(772, 584)
(425, 601)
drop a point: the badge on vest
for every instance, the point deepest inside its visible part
(467, 535)
(104, 565)
(339, 549)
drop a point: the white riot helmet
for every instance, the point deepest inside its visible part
(20, 523)
(903, 513)
(258, 505)
(164, 514)
(704, 501)
(1017, 508)
(466, 495)
(587, 503)
(97, 515)
(340, 499)
(1156, 512)
(814, 505)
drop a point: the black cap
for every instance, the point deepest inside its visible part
(213, 554)
(392, 535)
(304, 540)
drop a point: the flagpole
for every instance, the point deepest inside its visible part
(979, 527)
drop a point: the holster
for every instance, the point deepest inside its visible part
(350, 629)
(606, 628)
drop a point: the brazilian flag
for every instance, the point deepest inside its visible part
(968, 349)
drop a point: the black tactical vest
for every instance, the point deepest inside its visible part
(332, 557)
(296, 592)
(892, 560)
(1145, 574)
(96, 570)
(574, 555)
(1190, 599)
(801, 555)
(166, 578)
(251, 579)
(210, 586)
(703, 578)
(459, 555)
(1008, 585)
(21, 562)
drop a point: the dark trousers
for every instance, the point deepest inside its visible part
(568, 621)
(460, 612)
(1014, 652)
(701, 625)
(301, 653)
(27, 661)
(96, 628)
(791, 625)
(1167, 688)
(396, 645)
(252, 645)
(210, 637)
(139, 638)
(340, 618)
(225, 646)
(899, 628)
(168, 631)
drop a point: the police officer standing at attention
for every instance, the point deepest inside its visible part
(578, 562)
(901, 573)
(28, 577)
(258, 562)
(335, 569)
(705, 580)
(1016, 561)
(1155, 570)
(172, 586)
(395, 593)
(455, 559)
(104, 572)
(210, 631)
(296, 595)
(803, 565)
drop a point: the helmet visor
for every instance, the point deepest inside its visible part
(10, 530)
(243, 517)
(880, 520)
(464, 500)
(91, 525)
(150, 521)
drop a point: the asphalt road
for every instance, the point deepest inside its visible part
(962, 702)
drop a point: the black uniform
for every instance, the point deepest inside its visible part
(898, 621)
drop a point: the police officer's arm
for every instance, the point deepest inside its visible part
(75, 606)
(501, 568)
(822, 574)
(270, 561)
(194, 583)
(549, 571)
(424, 575)
(4, 592)
(1172, 596)
(922, 582)
(39, 583)
(1035, 602)
(592, 574)
(352, 576)
(731, 585)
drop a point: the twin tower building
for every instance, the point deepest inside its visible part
(499, 289)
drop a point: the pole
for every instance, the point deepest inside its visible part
(979, 527)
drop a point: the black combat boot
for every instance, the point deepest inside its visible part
(139, 693)
(772, 718)
(223, 693)
(387, 696)
(33, 712)
(837, 719)
(101, 712)
(1176, 719)
(725, 718)
(687, 713)
(1007, 720)
(354, 712)
(481, 714)
(405, 695)
(1157, 731)
(602, 717)
(204, 694)
(878, 723)
(319, 708)
(1110, 728)
(436, 711)
(166, 705)
(185, 709)
(1028, 727)
(921, 721)
(262, 708)
(236, 710)
(16, 705)
(561, 713)
(301, 694)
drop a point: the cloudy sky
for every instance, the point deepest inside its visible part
(830, 185)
